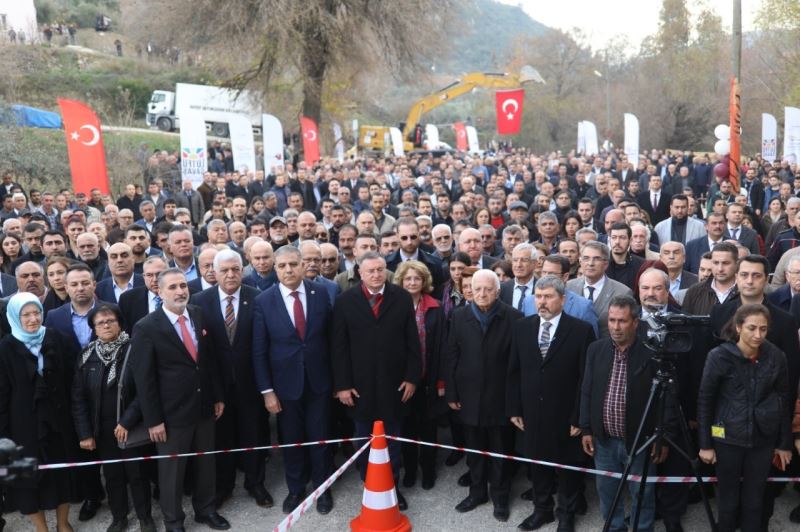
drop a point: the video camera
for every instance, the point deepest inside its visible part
(12, 466)
(669, 333)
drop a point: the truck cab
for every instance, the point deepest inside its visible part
(161, 110)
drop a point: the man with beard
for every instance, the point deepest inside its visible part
(624, 265)
(679, 227)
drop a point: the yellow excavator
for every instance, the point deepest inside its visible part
(373, 138)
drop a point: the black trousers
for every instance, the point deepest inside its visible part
(741, 477)
(89, 478)
(547, 480)
(119, 476)
(419, 426)
(306, 419)
(243, 424)
(199, 437)
(484, 470)
(672, 499)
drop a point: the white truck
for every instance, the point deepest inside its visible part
(165, 107)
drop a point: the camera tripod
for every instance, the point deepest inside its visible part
(663, 386)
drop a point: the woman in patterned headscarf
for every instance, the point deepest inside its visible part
(35, 374)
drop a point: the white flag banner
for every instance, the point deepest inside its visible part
(581, 146)
(769, 137)
(194, 158)
(272, 136)
(632, 138)
(338, 141)
(432, 136)
(590, 133)
(791, 134)
(472, 140)
(243, 145)
(397, 141)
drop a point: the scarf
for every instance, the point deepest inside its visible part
(484, 318)
(31, 340)
(108, 353)
(425, 303)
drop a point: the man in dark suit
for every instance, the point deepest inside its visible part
(615, 388)
(469, 242)
(408, 232)
(122, 279)
(376, 356)
(695, 249)
(782, 297)
(755, 191)
(261, 259)
(206, 276)
(8, 286)
(304, 186)
(476, 363)
(515, 291)
(177, 381)
(655, 200)
(192, 200)
(138, 302)
(292, 370)
(228, 314)
(736, 231)
(548, 354)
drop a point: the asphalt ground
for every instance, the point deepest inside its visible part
(431, 510)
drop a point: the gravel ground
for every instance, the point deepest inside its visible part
(428, 510)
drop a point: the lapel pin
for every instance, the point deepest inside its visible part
(244, 302)
(312, 292)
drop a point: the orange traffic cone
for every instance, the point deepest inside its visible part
(379, 510)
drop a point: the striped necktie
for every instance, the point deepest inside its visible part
(229, 314)
(544, 342)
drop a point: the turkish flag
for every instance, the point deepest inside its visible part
(310, 140)
(461, 136)
(87, 159)
(508, 105)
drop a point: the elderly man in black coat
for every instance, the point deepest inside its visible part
(376, 356)
(545, 371)
(479, 346)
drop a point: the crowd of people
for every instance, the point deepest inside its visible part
(501, 302)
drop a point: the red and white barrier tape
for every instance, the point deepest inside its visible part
(292, 518)
(199, 453)
(635, 478)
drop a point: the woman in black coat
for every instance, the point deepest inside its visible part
(427, 404)
(95, 392)
(744, 416)
(35, 377)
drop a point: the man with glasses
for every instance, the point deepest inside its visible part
(138, 302)
(442, 237)
(516, 291)
(408, 232)
(311, 257)
(329, 264)
(594, 285)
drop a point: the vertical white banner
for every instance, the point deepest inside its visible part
(397, 141)
(338, 141)
(590, 133)
(791, 134)
(769, 137)
(272, 136)
(581, 145)
(472, 140)
(194, 158)
(243, 145)
(632, 138)
(432, 136)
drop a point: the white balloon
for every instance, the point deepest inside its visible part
(722, 132)
(722, 147)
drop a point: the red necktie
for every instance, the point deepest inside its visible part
(186, 336)
(299, 317)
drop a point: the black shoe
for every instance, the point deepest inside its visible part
(566, 523)
(428, 480)
(410, 478)
(292, 501)
(464, 480)
(453, 458)
(262, 496)
(147, 525)
(402, 504)
(215, 521)
(501, 512)
(222, 498)
(176, 529)
(536, 521)
(156, 493)
(673, 527)
(527, 495)
(470, 503)
(88, 510)
(794, 515)
(580, 506)
(118, 525)
(325, 503)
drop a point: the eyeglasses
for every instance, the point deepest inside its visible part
(106, 323)
(409, 237)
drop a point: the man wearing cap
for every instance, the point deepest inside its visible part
(278, 232)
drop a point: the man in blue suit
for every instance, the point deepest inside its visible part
(261, 259)
(782, 297)
(574, 305)
(228, 309)
(293, 371)
(312, 263)
(123, 278)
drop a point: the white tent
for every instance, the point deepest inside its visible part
(19, 15)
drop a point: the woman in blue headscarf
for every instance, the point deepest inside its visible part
(36, 368)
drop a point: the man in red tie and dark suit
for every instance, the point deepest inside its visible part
(176, 374)
(293, 372)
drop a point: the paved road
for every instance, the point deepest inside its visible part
(431, 511)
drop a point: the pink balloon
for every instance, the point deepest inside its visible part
(726, 160)
(721, 170)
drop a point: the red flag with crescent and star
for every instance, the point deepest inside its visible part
(508, 105)
(310, 140)
(87, 159)
(461, 136)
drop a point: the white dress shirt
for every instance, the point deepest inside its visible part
(288, 300)
(119, 291)
(151, 302)
(223, 302)
(553, 326)
(173, 319)
(517, 293)
(598, 287)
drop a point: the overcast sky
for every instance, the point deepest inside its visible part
(603, 20)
